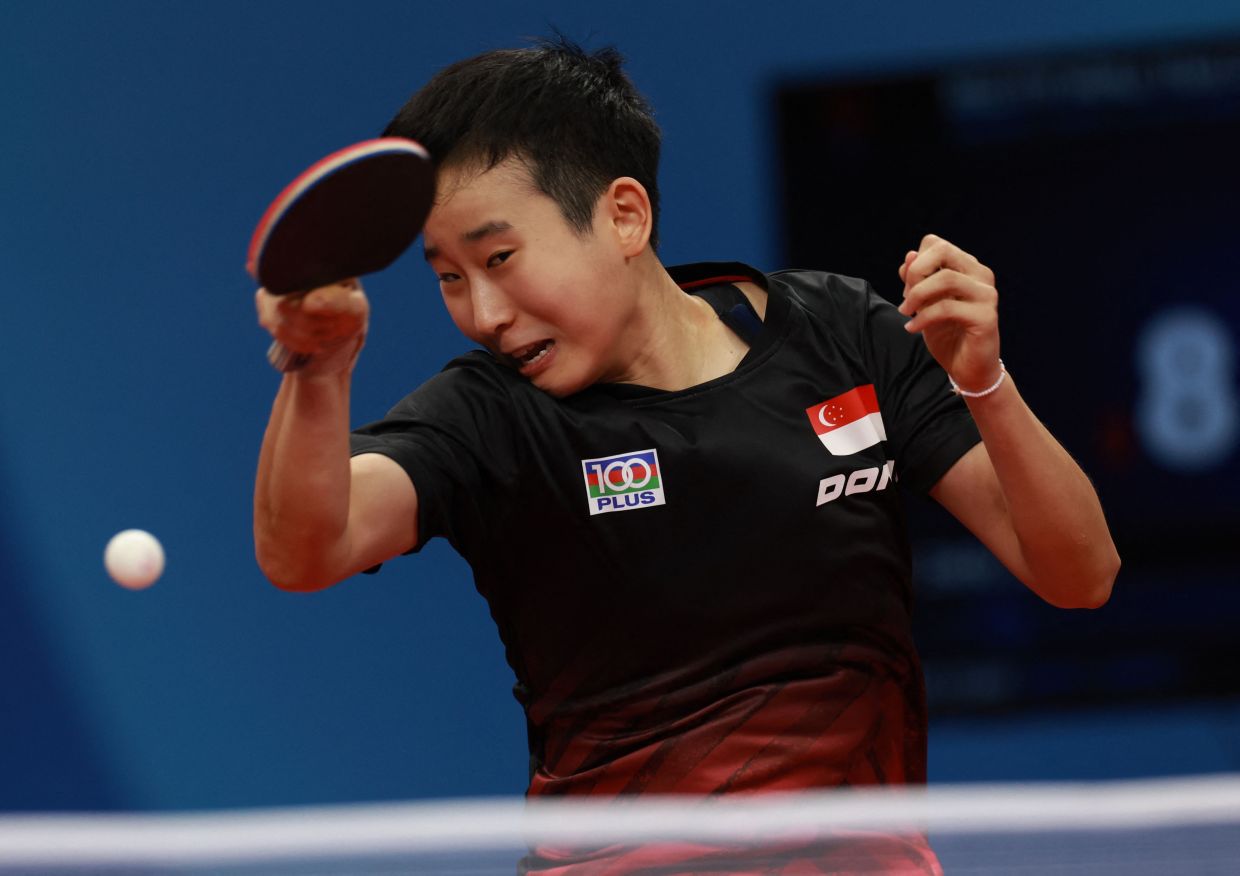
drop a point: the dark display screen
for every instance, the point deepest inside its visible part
(1104, 192)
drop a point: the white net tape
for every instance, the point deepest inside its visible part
(1189, 825)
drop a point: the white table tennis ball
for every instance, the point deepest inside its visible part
(134, 558)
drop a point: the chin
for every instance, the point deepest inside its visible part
(559, 385)
(555, 389)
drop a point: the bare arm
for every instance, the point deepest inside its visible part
(320, 517)
(1022, 495)
(1019, 491)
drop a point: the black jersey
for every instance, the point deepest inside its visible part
(706, 590)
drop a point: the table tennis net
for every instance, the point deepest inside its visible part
(1188, 825)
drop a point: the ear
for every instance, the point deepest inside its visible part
(628, 213)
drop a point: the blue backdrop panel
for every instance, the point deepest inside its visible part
(141, 141)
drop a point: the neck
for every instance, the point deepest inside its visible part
(677, 340)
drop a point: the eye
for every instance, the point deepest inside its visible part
(448, 278)
(498, 259)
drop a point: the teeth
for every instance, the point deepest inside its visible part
(530, 359)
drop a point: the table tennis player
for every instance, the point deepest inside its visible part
(679, 488)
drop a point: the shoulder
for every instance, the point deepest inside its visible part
(473, 409)
(472, 394)
(844, 306)
(822, 293)
(464, 382)
(818, 293)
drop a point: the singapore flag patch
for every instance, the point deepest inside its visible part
(850, 422)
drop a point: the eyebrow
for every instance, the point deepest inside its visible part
(483, 231)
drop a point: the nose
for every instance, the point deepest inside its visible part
(492, 310)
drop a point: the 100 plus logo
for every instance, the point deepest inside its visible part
(623, 482)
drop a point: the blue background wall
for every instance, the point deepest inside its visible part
(141, 141)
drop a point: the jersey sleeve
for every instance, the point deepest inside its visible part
(928, 426)
(453, 437)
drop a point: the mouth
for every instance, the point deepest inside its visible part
(533, 358)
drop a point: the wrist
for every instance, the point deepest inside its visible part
(982, 393)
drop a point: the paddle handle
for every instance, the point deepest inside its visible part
(285, 360)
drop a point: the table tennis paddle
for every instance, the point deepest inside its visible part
(352, 213)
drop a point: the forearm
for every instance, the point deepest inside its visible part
(301, 495)
(1065, 550)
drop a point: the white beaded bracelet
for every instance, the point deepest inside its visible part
(985, 392)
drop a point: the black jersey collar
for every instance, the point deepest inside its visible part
(699, 274)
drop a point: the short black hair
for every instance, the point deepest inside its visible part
(573, 117)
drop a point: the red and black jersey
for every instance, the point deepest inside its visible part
(703, 591)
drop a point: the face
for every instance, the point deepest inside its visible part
(517, 279)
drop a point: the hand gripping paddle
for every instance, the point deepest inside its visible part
(352, 213)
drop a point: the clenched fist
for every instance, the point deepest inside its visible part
(952, 301)
(327, 324)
